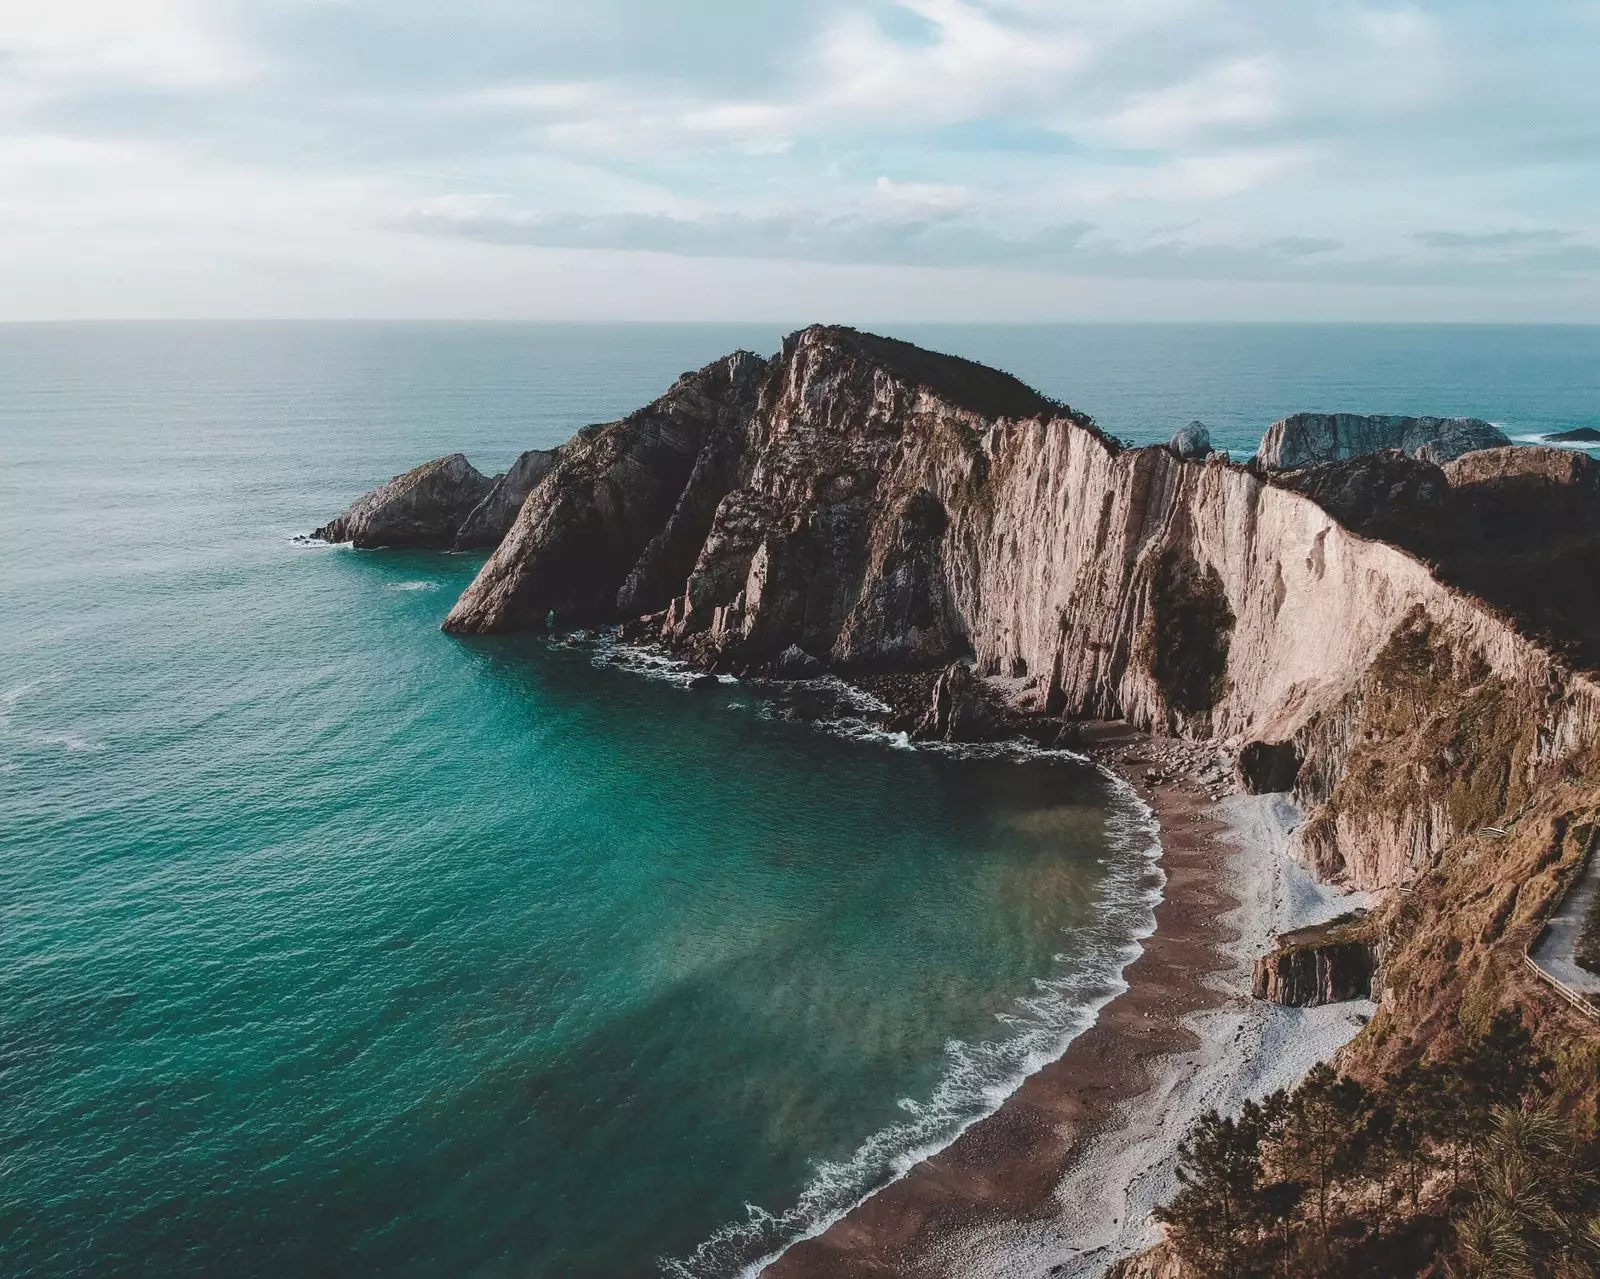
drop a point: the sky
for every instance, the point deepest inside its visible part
(810, 159)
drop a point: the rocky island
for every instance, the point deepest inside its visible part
(1389, 625)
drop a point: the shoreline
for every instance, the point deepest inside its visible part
(1061, 1179)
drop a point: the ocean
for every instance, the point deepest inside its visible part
(334, 945)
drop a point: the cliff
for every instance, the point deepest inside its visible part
(883, 508)
(1307, 439)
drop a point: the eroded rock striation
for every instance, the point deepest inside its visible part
(422, 508)
(1307, 439)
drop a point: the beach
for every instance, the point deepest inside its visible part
(1062, 1179)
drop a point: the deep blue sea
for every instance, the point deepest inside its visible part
(331, 944)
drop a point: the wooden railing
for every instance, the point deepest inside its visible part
(1578, 1001)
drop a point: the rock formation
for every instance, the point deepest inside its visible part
(1408, 645)
(422, 508)
(488, 522)
(1325, 965)
(1307, 439)
(1579, 435)
(1193, 443)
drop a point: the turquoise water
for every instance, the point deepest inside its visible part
(334, 945)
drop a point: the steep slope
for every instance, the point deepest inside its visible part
(491, 519)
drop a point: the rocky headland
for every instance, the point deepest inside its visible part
(1392, 620)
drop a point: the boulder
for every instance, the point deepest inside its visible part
(422, 508)
(958, 709)
(491, 519)
(1307, 439)
(1193, 442)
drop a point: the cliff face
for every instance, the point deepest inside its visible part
(1307, 439)
(881, 507)
(1329, 964)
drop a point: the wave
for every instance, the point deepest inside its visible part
(1577, 446)
(977, 1077)
(413, 586)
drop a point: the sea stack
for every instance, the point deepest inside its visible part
(422, 508)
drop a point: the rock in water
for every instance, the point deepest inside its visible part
(1193, 443)
(422, 508)
(795, 663)
(491, 519)
(1580, 435)
(1307, 439)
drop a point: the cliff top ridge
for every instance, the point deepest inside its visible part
(963, 383)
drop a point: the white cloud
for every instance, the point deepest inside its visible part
(150, 42)
(1209, 137)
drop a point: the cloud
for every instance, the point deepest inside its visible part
(1488, 239)
(954, 239)
(1408, 145)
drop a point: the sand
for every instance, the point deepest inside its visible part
(1061, 1180)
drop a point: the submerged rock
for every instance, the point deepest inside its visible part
(1306, 439)
(489, 521)
(422, 508)
(1193, 443)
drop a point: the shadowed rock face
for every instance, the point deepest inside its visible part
(612, 494)
(422, 508)
(1310, 975)
(492, 518)
(1307, 439)
(1517, 527)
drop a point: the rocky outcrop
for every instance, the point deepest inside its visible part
(884, 510)
(422, 508)
(1330, 964)
(1307, 439)
(488, 522)
(1579, 435)
(959, 709)
(1193, 443)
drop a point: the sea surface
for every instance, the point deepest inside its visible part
(334, 945)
